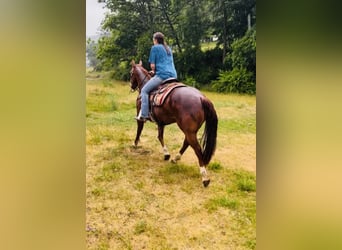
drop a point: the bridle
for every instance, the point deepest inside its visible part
(142, 82)
(130, 77)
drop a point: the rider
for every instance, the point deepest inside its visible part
(162, 67)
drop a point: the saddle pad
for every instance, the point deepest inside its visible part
(158, 97)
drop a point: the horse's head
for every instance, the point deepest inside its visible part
(138, 76)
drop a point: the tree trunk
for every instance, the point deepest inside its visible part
(249, 21)
(225, 39)
(172, 28)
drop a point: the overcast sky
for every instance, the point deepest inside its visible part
(95, 13)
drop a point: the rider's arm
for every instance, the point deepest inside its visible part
(153, 69)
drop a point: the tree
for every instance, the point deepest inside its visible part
(91, 54)
(127, 23)
(194, 23)
(171, 12)
(243, 53)
(186, 24)
(242, 76)
(230, 20)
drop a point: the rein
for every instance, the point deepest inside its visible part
(142, 82)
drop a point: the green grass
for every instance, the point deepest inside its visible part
(244, 125)
(101, 101)
(215, 166)
(140, 227)
(246, 181)
(136, 200)
(239, 197)
(214, 203)
(109, 172)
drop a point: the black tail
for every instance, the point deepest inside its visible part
(210, 131)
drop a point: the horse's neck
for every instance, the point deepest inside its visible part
(143, 76)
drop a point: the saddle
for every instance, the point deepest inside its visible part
(159, 95)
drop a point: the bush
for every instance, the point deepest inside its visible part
(202, 67)
(191, 82)
(235, 81)
(243, 54)
(121, 72)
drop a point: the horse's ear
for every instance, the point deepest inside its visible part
(132, 63)
(140, 63)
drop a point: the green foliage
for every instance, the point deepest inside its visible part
(121, 71)
(91, 54)
(191, 81)
(198, 67)
(143, 49)
(243, 53)
(242, 62)
(235, 81)
(193, 24)
(185, 24)
(212, 64)
(107, 52)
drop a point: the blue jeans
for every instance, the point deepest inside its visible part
(148, 87)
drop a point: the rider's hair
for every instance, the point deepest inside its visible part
(160, 40)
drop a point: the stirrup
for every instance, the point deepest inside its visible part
(142, 119)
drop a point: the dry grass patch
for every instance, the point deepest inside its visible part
(136, 200)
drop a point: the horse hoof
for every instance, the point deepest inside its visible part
(206, 183)
(166, 157)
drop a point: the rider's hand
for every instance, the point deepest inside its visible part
(151, 73)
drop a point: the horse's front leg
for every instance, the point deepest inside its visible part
(140, 126)
(161, 139)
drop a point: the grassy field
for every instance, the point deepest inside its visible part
(136, 200)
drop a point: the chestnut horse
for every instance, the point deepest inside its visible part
(189, 108)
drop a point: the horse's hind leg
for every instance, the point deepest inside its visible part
(192, 140)
(161, 139)
(181, 152)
